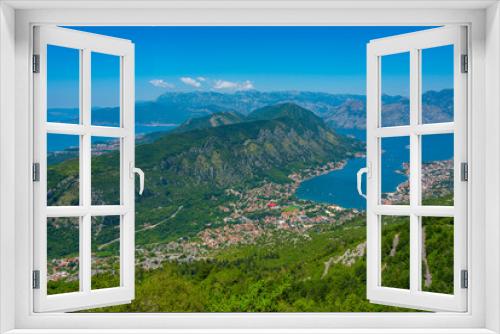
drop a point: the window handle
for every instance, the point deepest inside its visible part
(359, 175)
(134, 170)
(139, 172)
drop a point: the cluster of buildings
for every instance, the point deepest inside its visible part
(313, 172)
(437, 178)
(65, 268)
(437, 181)
(249, 215)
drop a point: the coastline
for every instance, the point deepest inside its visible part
(337, 189)
(321, 170)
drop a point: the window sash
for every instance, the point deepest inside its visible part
(86, 43)
(413, 43)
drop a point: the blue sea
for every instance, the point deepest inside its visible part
(339, 186)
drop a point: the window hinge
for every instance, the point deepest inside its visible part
(36, 172)
(36, 279)
(465, 64)
(464, 171)
(464, 279)
(36, 63)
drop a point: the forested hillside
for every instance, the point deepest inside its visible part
(321, 271)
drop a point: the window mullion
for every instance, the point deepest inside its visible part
(85, 253)
(415, 235)
(85, 168)
(86, 139)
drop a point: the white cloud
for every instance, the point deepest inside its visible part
(161, 83)
(191, 82)
(223, 84)
(246, 85)
(201, 79)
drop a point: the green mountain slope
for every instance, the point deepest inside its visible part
(193, 169)
(210, 121)
(322, 271)
(282, 110)
(187, 173)
(306, 274)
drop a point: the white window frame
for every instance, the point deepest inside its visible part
(413, 44)
(85, 44)
(16, 21)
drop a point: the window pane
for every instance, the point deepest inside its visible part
(437, 84)
(63, 85)
(105, 252)
(105, 171)
(395, 82)
(63, 241)
(395, 252)
(63, 170)
(437, 254)
(437, 169)
(395, 171)
(105, 89)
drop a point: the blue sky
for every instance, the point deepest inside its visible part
(225, 59)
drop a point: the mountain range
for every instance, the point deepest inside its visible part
(346, 111)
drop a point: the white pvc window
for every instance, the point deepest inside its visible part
(73, 216)
(411, 133)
